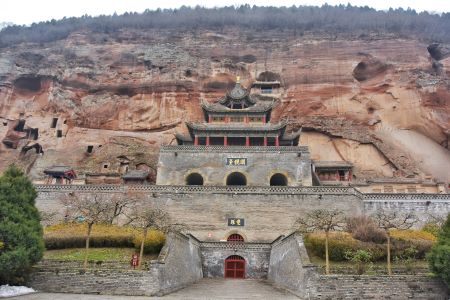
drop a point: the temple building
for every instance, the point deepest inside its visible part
(239, 146)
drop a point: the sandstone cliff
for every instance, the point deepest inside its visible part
(380, 102)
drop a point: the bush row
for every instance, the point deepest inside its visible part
(73, 235)
(341, 243)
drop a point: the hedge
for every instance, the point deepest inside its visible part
(73, 235)
(341, 242)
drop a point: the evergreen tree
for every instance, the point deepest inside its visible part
(439, 256)
(21, 236)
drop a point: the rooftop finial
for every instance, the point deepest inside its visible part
(238, 79)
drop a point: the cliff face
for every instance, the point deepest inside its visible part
(382, 103)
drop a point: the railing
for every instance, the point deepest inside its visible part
(402, 197)
(198, 189)
(240, 246)
(227, 149)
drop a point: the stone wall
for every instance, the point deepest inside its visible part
(377, 287)
(177, 162)
(289, 266)
(256, 257)
(178, 265)
(268, 211)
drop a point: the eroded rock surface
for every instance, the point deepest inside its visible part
(371, 101)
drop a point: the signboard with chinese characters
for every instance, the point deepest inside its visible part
(236, 222)
(236, 161)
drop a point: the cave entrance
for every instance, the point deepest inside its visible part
(278, 180)
(54, 122)
(236, 178)
(20, 126)
(194, 179)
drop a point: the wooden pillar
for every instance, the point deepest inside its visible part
(207, 140)
(227, 119)
(264, 119)
(209, 118)
(265, 140)
(246, 119)
(350, 175)
(247, 141)
(277, 141)
(337, 176)
(195, 140)
(225, 141)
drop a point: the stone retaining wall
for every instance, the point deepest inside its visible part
(377, 287)
(178, 265)
(289, 265)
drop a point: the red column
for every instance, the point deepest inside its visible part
(247, 141)
(209, 119)
(265, 141)
(227, 119)
(277, 141)
(337, 176)
(207, 141)
(196, 140)
(264, 119)
(225, 141)
(350, 175)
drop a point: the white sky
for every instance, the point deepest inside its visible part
(29, 11)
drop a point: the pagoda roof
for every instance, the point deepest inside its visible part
(236, 126)
(219, 107)
(59, 171)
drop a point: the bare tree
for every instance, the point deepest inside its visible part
(148, 216)
(93, 210)
(119, 204)
(388, 220)
(321, 220)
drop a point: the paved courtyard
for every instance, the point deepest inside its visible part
(204, 289)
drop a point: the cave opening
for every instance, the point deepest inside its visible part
(54, 122)
(20, 126)
(236, 178)
(90, 148)
(59, 133)
(278, 180)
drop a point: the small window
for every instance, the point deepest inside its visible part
(255, 119)
(105, 166)
(54, 122)
(59, 133)
(65, 122)
(235, 238)
(5, 123)
(218, 119)
(90, 148)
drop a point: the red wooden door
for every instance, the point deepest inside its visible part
(235, 267)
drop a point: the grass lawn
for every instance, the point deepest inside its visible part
(95, 254)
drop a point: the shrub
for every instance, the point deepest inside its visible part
(153, 243)
(339, 243)
(439, 256)
(432, 228)
(73, 235)
(361, 258)
(363, 228)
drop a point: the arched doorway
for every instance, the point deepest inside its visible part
(278, 179)
(194, 179)
(236, 178)
(235, 238)
(235, 267)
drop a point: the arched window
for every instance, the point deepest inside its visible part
(278, 180)
(235, 238)
(194, 179)
(236, 178)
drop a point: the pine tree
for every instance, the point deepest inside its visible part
(21, 236)
(439, 256)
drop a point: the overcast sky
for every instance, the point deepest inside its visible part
(29, 11)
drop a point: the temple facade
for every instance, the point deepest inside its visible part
(237, 144)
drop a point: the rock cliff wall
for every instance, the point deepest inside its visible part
(382, 103)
